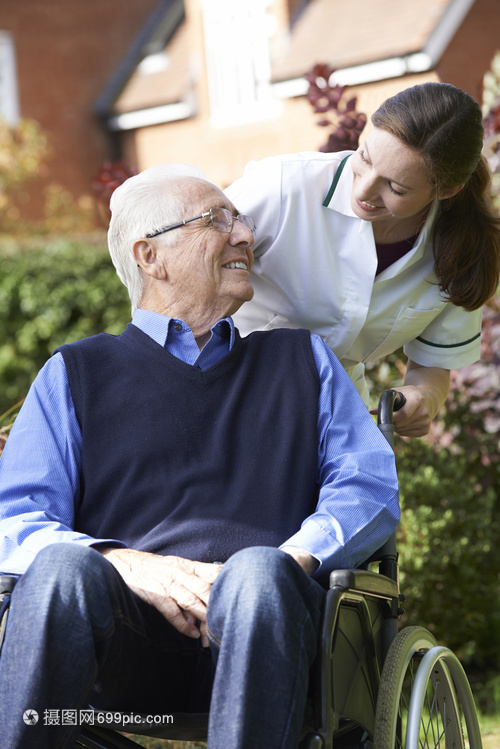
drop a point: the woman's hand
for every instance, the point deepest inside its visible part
(177, 587)
(414, 419)
(425, 390)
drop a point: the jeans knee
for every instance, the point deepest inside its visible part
(63, 572)
(63, 561)
(261, 577)
(260, 566)
(260, 593)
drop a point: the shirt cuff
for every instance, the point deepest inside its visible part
(319, 544)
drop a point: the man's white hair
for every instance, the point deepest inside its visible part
(141, 205)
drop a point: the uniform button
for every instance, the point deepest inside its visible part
(177, 326)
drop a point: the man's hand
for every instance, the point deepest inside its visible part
(308, 563)
(177, 587)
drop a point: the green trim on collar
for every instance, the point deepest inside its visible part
(335, 181)
(448, 345)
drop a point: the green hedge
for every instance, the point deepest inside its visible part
(449, 535)
(52, 292)
(450, 553)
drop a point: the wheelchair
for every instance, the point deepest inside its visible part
(371, 686)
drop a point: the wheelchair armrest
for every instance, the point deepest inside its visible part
(7, 583)
(364, 581)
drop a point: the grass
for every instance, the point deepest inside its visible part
(490, 732)
(150, 743)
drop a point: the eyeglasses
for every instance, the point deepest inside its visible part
(220, 218)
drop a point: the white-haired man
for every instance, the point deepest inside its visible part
(174, 496)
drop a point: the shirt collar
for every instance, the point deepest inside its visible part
(159, 327)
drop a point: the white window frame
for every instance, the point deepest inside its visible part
(9, 97)
(237, 34)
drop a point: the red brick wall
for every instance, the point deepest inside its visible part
(469, 54)
(66, 51)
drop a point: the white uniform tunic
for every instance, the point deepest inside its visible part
(315, 266)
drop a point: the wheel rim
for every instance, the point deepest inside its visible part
(441, 710)
(428, 714)
(424, 700)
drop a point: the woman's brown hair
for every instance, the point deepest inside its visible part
(444, 125)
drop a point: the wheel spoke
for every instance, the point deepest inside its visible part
(424, 697)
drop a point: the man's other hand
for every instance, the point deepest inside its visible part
(179, 588)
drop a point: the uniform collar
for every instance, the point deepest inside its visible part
(338, 197)
(423, 247)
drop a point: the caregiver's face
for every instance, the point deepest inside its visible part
(390, 181)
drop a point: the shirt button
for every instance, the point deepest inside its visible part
(177, 326)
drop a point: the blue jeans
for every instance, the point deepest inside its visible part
(77, 635)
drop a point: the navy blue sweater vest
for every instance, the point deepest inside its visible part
(177, 460)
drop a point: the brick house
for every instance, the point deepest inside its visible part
(217, 82)
(56, 58)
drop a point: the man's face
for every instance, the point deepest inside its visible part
(206, 268)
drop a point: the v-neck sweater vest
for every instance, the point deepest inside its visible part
(197, 463)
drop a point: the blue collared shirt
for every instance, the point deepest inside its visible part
(40, 466)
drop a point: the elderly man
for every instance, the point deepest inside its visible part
(174, 496)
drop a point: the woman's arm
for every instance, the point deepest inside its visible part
(425, 390)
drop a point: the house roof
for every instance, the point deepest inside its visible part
(365, 40)
(346, 34)
(161, 78)
(154, 37)
(383, 39)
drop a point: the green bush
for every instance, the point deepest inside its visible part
(449, 535)
(52, 294)
(450, 555)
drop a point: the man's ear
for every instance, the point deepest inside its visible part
(146, 256)
(450, 192)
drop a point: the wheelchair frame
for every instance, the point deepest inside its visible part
(371, 687)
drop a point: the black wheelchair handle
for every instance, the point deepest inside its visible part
(390, 401)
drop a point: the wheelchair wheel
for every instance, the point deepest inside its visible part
(424, 700)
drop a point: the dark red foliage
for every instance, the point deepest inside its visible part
(110, 176)
(470, 424)
(491, 122)
(347, 124)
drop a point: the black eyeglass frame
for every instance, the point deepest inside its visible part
(204, 215)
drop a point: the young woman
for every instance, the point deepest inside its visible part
(393, 245)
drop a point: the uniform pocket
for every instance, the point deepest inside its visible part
(409, 324)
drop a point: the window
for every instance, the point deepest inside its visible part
(238, 61)
(9, 103)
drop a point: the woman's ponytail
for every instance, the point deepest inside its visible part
(444, 125)
(467, 243)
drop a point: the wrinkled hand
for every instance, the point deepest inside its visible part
(308, 563)
(179, 588)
